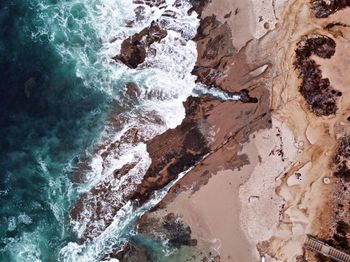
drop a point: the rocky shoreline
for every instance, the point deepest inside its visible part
(266, 170)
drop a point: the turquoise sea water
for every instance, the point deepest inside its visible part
(49, 117)
(58, 88)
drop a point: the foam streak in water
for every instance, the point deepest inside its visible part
(165, 81)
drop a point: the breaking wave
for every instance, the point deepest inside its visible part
(165, 81)
(85, 35)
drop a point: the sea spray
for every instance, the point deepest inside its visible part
(50, 130)
(165, 82)
(118, 232)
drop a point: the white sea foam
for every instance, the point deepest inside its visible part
(25, 248)
(216, 93)
(116, 234)
(24, 219)
(11, 224)
(165, 81)
(165, 75)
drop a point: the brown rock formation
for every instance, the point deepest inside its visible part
(101, 207)
(213, 43)
(134, 49)
(212, 133)
(174, 151)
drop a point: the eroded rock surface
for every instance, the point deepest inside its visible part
(134, 49)
(174, 151)
(215, 134)
(336, 229)
(213, 43)
(97, 207)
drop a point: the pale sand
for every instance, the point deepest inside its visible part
(247, 19)
(280, 207)
(213, 213)
(307, 197)
(270, 203)
(261, 203)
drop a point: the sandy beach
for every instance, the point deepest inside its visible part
(262, 194)
(266, 170)
(175, 130)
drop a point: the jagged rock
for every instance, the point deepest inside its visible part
(173, 152)
(132, 90)
(100, 213)
(180, 148)
(214, 42)
(150, 3)
(179, 234)
(134, 49)
(198, 5)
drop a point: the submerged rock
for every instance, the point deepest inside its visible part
(170, 227)
(29, 86)
(132, 90)
(178, 233)
(130, 253)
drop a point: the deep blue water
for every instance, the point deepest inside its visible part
(48, 118)
(58, 89)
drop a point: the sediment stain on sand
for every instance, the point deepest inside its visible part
(261, 188)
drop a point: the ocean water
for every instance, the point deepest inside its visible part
(60, 91)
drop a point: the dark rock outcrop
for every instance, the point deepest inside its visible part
(317, 91)
(150, 3)
(170, 226)
(198, 5)
(179, 234)
(102, 211)
(324, 8)
(214, 42)
(342, 160)
(174, 151)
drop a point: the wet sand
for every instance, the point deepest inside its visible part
(269, 170)
(264, 194)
